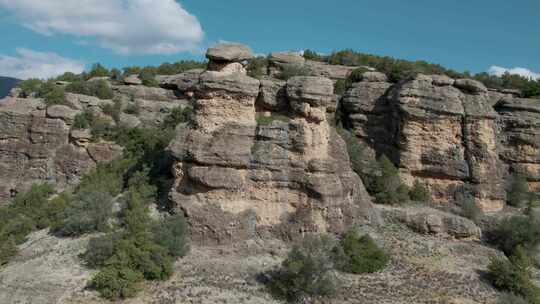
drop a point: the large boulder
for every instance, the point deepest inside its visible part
(183, 82)
(231, 52)
(431, 221)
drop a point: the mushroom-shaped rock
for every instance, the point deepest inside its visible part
(471, 86)
(232, 52)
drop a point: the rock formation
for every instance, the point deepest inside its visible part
(455, 136)
(38, 143)
(36, 147)
(238, 177)
(262, 157)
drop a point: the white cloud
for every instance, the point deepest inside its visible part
(33, 64)
(124, 26)
(499, 71)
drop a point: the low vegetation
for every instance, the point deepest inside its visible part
(470, 210)
(514, 276)
(292, 71)
(419, 193)
(518, 191)
(98, 88)
(360, 254)
(258, 67)
(514, 231)
(385, 185)
(29, 211)
(309, 271)
(51, 93)
(381, 177)
(342, 85)
(398, 70)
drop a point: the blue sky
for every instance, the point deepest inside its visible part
(44, 37)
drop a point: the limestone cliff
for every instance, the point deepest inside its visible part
(244, 172)
(455, 136)
(38, 144)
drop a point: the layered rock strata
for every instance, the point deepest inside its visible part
(243, 174)
(455, 136)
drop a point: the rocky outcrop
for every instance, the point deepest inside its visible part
(238, 178)
(455, 136)
(519, 137)
(431, 221)
(36, 147)
(279, 61)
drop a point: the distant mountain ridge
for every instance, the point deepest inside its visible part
(6, 84)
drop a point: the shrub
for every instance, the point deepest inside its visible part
(133, 108)
(514, 276)
(312, 55)
(18, 228)
(290, 71)
(98, 70)
(116, 75)
(90, 212)
(355, 150)
(106, 177)
(510, 298)
(83, 120)
(419, 192)
(33, 204)
(148, 78)
(341, 86)
(29, 211)
(177, 116)
(360, 254)
(113, 110)
(518, 192)
(179, 67)
(516, 231)
(98, 88)
(257, 67)
(30, 86)
(357, 74)
(8, 249)
(172, 234)
(134, 255)
(470, 210)
(307, 272)
(52, 94)
(69, 77)
(114, 283)
(100, 249)
(56, 207)
(385, 183)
